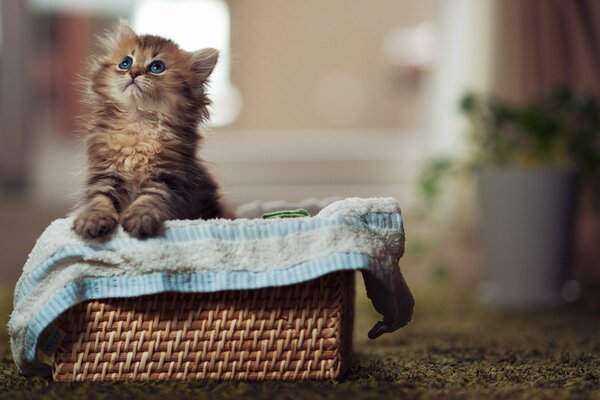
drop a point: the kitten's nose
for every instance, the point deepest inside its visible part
(135, 73)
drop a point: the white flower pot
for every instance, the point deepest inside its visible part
(527, 217)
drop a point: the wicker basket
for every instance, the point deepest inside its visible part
(302, 331)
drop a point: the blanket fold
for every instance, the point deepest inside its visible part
(207, 256)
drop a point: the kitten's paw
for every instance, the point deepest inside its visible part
(142, 223)
(94, 224)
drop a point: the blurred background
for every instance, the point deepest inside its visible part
(325, 98)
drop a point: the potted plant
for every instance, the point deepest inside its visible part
(528, 160)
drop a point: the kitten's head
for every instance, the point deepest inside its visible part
(151, 73)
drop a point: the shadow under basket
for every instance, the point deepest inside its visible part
(302, 331)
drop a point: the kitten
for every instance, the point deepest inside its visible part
(147, 98)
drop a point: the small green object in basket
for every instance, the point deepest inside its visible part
(298, 212)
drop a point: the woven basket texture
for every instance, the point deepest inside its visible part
(302, 331)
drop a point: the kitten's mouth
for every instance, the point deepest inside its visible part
(133, 85)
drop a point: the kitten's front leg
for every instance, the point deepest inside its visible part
(146, 214)
(99, 215)
(97, 219)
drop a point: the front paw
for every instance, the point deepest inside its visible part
(142, 223)
(94, 224)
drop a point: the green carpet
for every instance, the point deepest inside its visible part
(453, 349)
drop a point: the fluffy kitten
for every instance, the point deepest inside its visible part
(147, 98)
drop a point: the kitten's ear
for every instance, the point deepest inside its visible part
(112, 38)
(204, 62)
(123, 30)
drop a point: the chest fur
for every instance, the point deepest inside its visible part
(132, 151)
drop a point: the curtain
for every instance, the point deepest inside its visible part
(543, 44)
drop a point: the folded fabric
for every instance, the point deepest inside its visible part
(207, 256)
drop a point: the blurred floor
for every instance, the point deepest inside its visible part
(453, 349)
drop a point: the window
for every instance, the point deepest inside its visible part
(196, 24)
(193, 24)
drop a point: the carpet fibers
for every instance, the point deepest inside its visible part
(453, 349)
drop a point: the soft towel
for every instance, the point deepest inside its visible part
(207, 256)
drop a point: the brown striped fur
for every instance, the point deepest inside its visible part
(142, 138)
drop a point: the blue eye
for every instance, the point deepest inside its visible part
(126, 63)
(157, 67)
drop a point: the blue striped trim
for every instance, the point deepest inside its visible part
(208, 230)
(193, 282)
